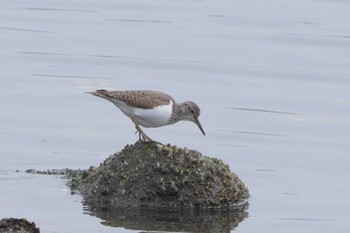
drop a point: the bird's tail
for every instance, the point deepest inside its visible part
(100, 93)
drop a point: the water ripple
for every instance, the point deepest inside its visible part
(141, 20)
(25, 30)
(307, 219)
(263, 110)
(69, 76)
(253, 133)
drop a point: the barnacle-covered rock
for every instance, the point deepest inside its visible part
(156, 175)
(15, 225)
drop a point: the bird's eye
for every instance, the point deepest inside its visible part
(192, 111)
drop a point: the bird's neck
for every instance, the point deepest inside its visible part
(178, 114)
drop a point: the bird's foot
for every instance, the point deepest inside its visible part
(143, 137)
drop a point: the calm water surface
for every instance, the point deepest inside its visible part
(272, 79)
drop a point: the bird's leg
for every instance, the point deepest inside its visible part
(142, 135)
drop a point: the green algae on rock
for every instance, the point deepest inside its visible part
(156, 175)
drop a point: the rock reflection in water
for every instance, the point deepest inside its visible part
(172, 220)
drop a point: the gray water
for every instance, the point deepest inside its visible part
(272, 79)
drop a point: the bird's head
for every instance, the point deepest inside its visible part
(191, 112)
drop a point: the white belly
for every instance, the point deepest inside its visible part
(155, 117)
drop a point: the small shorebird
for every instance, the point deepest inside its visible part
(151, 108)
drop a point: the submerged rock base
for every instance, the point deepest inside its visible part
(156, 175)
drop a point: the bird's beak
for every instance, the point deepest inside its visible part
(199, 125)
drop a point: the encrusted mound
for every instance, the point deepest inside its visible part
(15, 225)
(156, 175)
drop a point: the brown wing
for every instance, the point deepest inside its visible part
(139, 98)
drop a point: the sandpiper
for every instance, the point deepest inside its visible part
(151, 108)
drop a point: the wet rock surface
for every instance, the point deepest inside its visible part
(156, 175)
(157, 187)
(15, 225)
